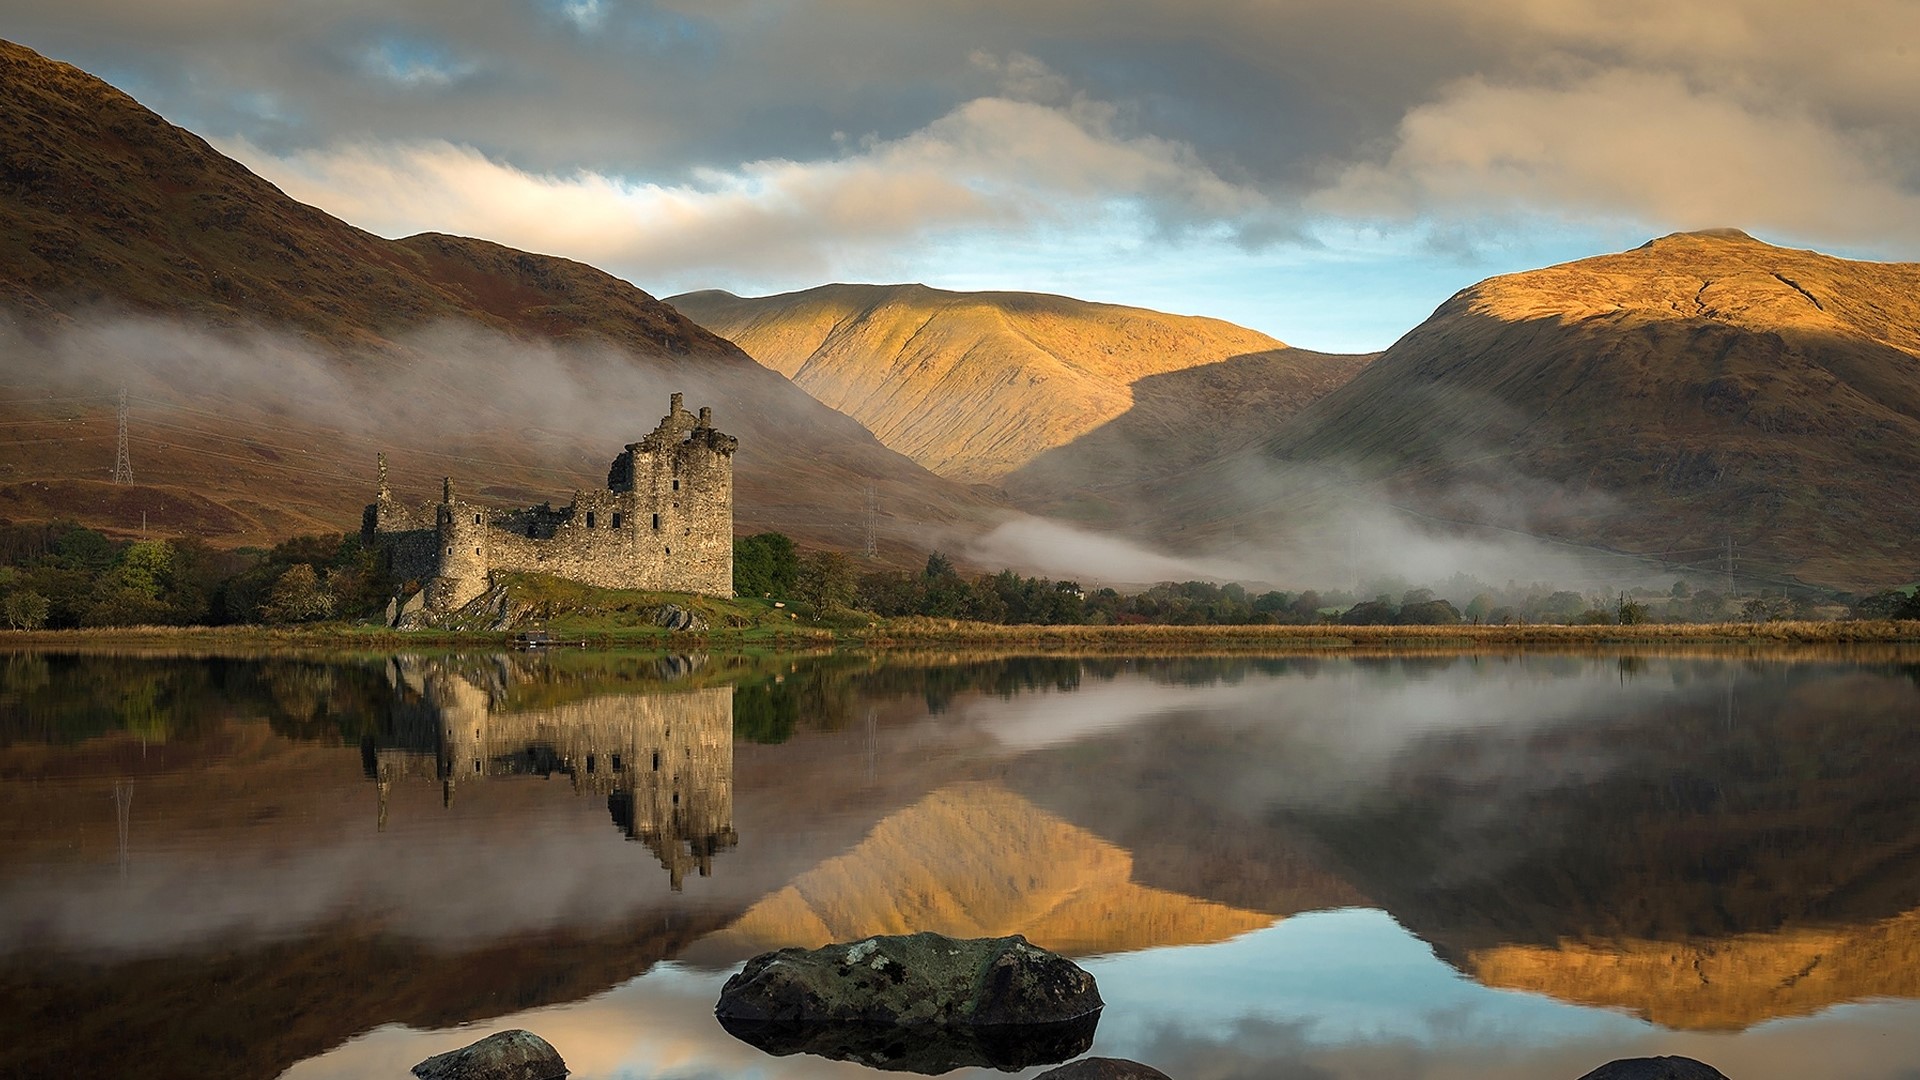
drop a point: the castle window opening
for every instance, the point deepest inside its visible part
(656, 761)
(676, 484)
(616, 762)
(589, 519)
(476, 519)
(656, 521)
(449, 551)
(669, 551)
(589, 763)
(476, 765)
(476, 551)
(616, 519)
(676, 798)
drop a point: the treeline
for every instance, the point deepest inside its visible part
(64, 575)
(770, 565)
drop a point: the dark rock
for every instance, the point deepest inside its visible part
(679, 619)
(509, 1055)
(1655, 1068)
(1100, 1068)
(913, 979)
(921, 1048)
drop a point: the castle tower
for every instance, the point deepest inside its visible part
(464, 570)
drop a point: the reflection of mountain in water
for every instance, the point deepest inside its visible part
(664, 761)
(1726, 984)
(1744, 847)
(976, 860)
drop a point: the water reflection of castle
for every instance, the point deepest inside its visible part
(663, 760)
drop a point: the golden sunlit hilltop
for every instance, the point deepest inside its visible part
(270, 349)
(971, 385)
(1703, 393)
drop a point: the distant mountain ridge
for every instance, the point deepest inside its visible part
(972, 385)
(108, 212)
(1702, 390)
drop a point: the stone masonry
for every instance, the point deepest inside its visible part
(664, 522)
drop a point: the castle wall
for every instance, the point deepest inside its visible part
(664, 522)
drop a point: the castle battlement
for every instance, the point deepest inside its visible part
(663, 522)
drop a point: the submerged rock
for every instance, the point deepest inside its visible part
(925, 978)
(509, 1055)
(1102, 1068)
(921, 1048)
(1655, 1068)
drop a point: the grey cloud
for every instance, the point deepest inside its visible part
(1263, 118)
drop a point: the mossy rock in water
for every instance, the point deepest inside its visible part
(922, 1048)
(508, 1055)
(913, 979)
(1655, 1068)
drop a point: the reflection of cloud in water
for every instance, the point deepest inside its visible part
(1343, 724)
(1337, 996)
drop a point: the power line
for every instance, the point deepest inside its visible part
(122, 463)
(873, 522)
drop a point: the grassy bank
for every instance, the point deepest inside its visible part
(756, 625)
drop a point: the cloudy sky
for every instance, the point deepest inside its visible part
(1325, 170)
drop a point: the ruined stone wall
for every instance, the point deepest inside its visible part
(664, 522)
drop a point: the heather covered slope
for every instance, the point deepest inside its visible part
(1705, 387)
(1180, 421)
(971, 385)
(270, 349)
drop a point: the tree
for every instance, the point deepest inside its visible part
(298, 595)
(1767, 609)
(938, 565)
(145, 569)
(764, 564)
(826, 581)
(24, 610)
(1479, 608)
(1428, 613)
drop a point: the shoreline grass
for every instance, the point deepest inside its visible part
(913, 634)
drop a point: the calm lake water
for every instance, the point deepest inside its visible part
(1459, 866)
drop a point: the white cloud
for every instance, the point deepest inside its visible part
(1626, 142)
(993, 163)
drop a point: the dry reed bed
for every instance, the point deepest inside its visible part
(923, 631)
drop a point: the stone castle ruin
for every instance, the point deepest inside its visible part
(664, 522)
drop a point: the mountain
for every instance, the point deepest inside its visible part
(270, 349)
(1703, 389)
(974, 386)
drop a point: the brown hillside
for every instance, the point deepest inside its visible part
(1703, 387)
(1180, 421)
(971, 385)
(131, 252)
